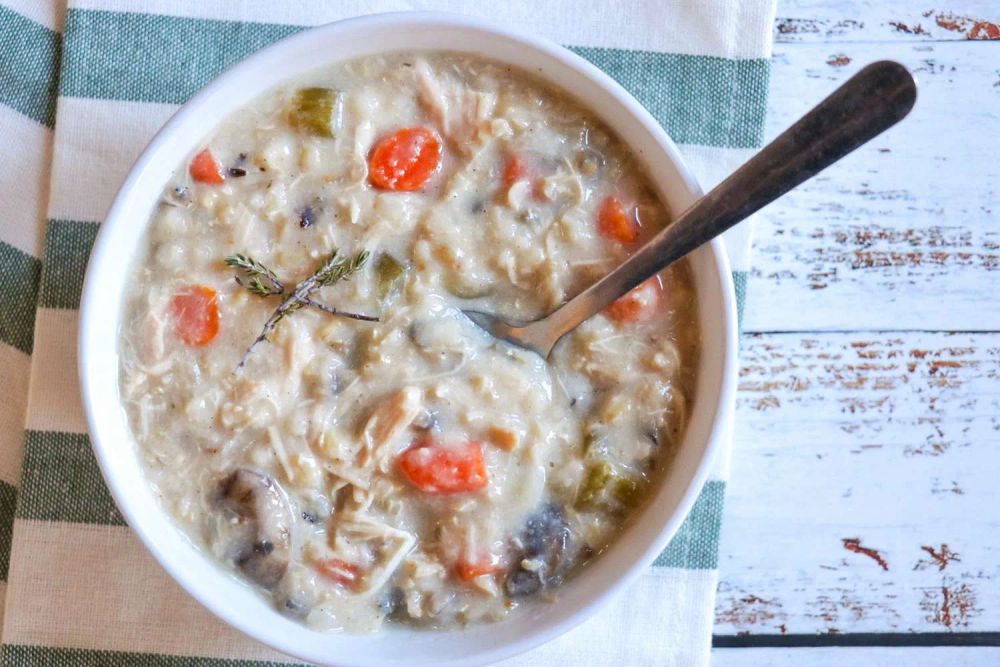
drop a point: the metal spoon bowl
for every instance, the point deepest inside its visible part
(870, 102)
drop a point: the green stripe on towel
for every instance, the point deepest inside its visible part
(153, 58)
(702, 100)
(67, 248)
(15, 655)
(19, 274)
(60, 481)
(29, 67)
(696, 544)
(8, 501)
(121, 56)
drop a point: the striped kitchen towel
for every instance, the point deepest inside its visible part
(29, 62)
(80, 587)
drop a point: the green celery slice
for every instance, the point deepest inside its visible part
(312, 111)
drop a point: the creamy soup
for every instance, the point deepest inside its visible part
(307, 398)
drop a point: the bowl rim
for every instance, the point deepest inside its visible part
(104, 253)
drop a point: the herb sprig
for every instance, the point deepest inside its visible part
(256, 273)
(258, 279)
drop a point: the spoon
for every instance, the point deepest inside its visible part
(870, 102)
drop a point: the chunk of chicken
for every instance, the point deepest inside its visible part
(385, 425)
(463, 115)
(152, 345)
(391, 544)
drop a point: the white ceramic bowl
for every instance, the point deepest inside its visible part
(123, 234)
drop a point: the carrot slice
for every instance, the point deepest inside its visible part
(405, 159)
(469, 570)
(638, 304)
(196, 314)
(523, 167)
(615, 223)
(205, 169)
(339, 571)
(516, 169)
(443, 470)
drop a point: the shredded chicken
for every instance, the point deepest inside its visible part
(393, 545)
(460, 112)
(386, 424)
(152, 349)
(349, 473)
(280, 452)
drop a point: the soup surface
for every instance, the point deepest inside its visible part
(310, 404)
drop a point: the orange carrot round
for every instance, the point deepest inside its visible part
(638, 304)
(196, 315)
(615, 223)
(205, 168)
(405, 159)
(444, 470)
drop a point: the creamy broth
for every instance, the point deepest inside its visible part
(410, 469)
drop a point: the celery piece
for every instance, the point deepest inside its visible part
(312, 111)
(626, 491)
(598, 476)
(389, 273)
(595, 440)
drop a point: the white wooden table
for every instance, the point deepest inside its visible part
(863, 516)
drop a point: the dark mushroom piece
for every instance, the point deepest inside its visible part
(307, 216)
(549, 542)
(314, 508)
(392, 603)
(260, 541)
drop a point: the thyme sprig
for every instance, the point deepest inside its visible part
(256, 273)
(262, 281)
(336, 269)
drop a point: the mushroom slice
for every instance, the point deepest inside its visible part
(261, 535)
(548, 552)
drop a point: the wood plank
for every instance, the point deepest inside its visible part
(904, 226)
(869, 657)
(863, 495)
(833, 21)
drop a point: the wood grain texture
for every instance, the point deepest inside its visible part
(830, 22)
(903, 234)
(862, 496)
